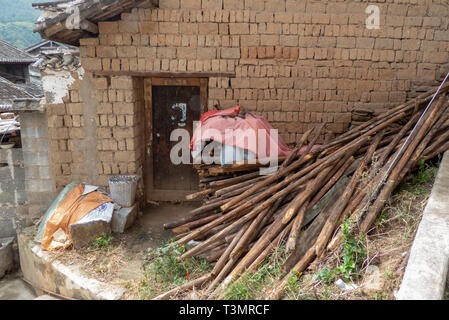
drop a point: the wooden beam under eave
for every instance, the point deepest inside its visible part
(54, 29)
(88, 26)
(158, 74)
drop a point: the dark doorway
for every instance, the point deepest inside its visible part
(174, 104)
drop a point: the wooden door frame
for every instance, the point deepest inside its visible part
(158, 194)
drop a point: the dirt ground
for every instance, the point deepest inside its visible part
(148, 231)
(120, 263)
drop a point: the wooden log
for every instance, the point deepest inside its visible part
(240, 185)
(224, 258)
(234, 180)
(255, 227)
(429, 155)
(337, 210)
(226, 197)
(195, 224)
(212, 178)
(191, 217)
(187, 286)
(296, 164)
(351, 211)
(274, 229)
(298, 147)
(309, 236)
(398, 138)
(200, 194)
(437, 143)
(404, 157)
(216, 254)
(296, 227)
(341, 166)
(302, 197)
(302, 264)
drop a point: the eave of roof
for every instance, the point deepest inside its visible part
(90, 13)
(44, 42)
(11, 54)
(10, 91)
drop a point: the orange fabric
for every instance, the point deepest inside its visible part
(71, 210)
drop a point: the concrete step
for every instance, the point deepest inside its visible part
(46, 297)
(41, 269)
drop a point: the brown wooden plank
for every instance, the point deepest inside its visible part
(166, 74)
(175, 82)
(168, 195)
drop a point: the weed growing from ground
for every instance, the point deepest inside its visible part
(103, 241)
(423, 175)
(353, 256)
(255, 285)
(163, 270)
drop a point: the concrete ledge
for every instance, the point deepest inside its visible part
(41, 269)
(426, 272)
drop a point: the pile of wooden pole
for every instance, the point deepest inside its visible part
(305, 201)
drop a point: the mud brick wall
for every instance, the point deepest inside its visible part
(95, 130)
(298, 63)
(65, 121)
(120, 126)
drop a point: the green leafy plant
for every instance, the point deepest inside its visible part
(163, 264)
(103, 241)
(353, 255)
(293, 280)
(327, 275)
(425, 174)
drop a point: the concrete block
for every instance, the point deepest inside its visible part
(6, 222)
(6, 256)
(46, 297)
(84, 233)
(427, 267)
(124, 218)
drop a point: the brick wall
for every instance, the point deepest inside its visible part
(65, 121)
(96, 130)
(119, 120)
(298, 63)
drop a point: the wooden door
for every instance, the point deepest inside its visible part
(171, 104)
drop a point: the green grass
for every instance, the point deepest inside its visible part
(258, 284)
(352, 257)
(163, 271)
(253, 285)
(103, 241)
(424, 175)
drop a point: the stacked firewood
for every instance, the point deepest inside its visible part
(302, 204)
